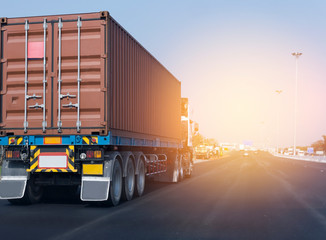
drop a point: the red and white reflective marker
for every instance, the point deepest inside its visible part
(35, 50)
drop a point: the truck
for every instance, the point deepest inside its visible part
(84, 104)
(202, 152)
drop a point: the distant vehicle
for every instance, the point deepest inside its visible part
(210, 150)
(202, 152)
(217, 152)
(301, 153)
(246, 153)
(290, 151)
(319, 153)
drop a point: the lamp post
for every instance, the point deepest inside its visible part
(278, 119)
(296, 55)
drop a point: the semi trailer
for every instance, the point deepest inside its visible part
(83, 104)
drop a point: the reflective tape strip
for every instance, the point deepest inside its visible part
(13, 178)
(17, 141)
(34, 165)
(88, 140)
(71, 161)
(56, 170)
(101, 179)
(34, 159)
(34, 162)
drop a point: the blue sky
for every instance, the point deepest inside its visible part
(230, 56)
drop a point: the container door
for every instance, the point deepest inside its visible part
(54, 76)
(80, 65)
(25, 74)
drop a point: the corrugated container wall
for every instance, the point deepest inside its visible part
(123, 88)
(145, 97)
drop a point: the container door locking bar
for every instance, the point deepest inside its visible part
(45, 26)
(59, 77)
(26, 75)
(78, 123)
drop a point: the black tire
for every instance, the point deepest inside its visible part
(140, 178)
(129, 181)
(181, 173)
(178, 176)
(188, 171)
(33, 194)
(116, 184)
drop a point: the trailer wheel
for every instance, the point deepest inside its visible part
(129, 181)
(140, 179)
(181, 173)
(33, 194)
(188, 171)
(116, 184)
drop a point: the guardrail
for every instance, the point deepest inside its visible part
(321, 159)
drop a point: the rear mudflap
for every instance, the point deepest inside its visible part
(13, 179)
(96, 187)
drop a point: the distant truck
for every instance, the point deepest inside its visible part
(202, 152)
(84, 104)
(301, 153)
(241, 147)
(319, 153)
(290, 151)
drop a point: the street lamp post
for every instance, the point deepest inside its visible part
(278, 119)
(296, 55)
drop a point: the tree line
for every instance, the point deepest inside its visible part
(320, 145)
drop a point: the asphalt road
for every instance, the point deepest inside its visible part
(255, 197)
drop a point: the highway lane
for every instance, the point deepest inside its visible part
(255, 197)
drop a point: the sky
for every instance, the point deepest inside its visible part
(230, 56)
